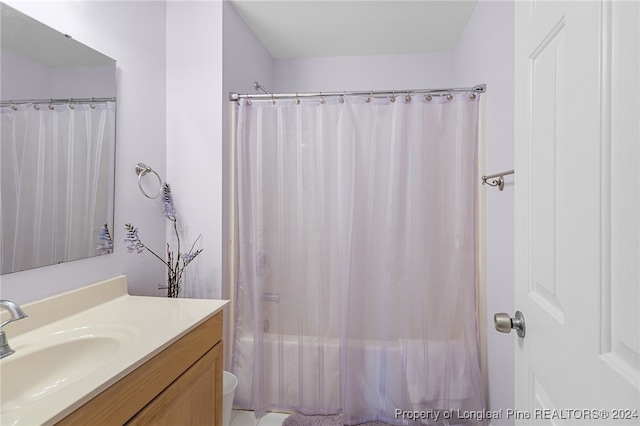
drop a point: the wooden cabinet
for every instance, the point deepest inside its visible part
(188, 400)
(180, 385)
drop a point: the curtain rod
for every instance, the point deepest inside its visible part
(481, 88)
(56, 101)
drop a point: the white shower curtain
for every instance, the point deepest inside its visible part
(357, 257)
(56, 179)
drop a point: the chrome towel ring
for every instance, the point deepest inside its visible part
(141, 170)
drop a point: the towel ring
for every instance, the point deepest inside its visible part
(141, 170)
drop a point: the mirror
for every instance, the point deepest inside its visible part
(57, 145)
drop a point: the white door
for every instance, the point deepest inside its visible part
(577, 212)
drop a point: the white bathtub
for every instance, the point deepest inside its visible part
(317, 390)
(287, 384)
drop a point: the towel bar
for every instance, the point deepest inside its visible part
(498, 179)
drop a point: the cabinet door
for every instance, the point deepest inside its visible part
(195, 398)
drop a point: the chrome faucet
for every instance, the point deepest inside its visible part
(16, 314)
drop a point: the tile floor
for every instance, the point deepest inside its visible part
(246, 418)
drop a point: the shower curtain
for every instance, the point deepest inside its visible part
(357, 257)
(55, 181)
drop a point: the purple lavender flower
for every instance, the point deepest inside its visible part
(133, 239)
(169, 209)
(188, 257)
(105, 243)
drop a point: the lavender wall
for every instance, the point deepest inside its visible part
(408, 71)
(485, 53)
(245, 60)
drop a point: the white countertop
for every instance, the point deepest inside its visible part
(144, 326)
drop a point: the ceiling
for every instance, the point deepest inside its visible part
(312, 28)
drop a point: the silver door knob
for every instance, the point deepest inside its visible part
(504, 323)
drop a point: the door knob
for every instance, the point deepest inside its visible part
(504, 323)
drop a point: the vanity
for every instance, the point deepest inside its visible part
(98, 355)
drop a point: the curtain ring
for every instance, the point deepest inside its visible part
(472, 95)
(449, 96)
(393, 97)
(297, 99)
(36, 107)
(408, 97)
(428, 97)
(273, 100)
(369, 97)
(141, 170)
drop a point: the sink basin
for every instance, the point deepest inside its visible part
(39, 369)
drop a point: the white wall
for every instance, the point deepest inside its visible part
(484, 54)
(194, 129)
(354, 73)
(210, 52)
(245, 59)
(133, 33)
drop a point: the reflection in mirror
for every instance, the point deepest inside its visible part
(57, 145)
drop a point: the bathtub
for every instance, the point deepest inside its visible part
(306, 377)
(287, 384)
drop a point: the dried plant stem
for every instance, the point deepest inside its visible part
(176, 262)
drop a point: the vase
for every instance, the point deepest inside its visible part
(173, 285)
(173, 288)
